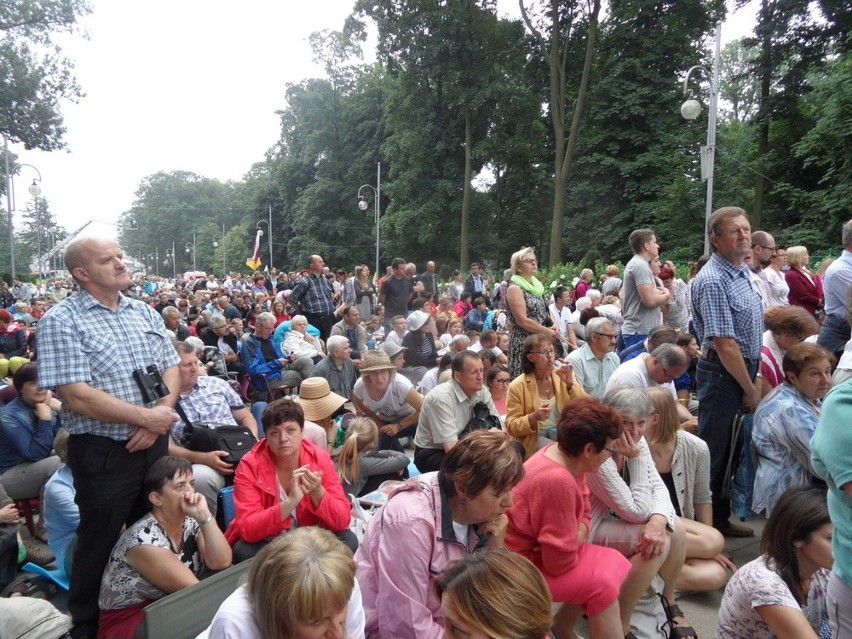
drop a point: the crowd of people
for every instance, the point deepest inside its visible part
(549, 445)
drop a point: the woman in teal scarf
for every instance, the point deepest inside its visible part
(527, 307)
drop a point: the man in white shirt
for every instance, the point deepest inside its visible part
(595, 361)
(561, 311)
(397, 331)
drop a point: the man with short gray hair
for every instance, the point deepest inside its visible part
(263, 357)
(595, 361)
(338, 368)
(171, 318)
(659, 368)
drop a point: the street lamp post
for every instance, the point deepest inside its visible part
(190, 248)
(690, 110)
(216, 240)
(362, 204)
(35, 191)
(171, 255)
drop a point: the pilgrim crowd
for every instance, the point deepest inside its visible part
(541, 454)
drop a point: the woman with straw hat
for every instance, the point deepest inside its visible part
(320, 405)
(388, 399)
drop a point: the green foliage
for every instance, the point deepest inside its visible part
(34, 75)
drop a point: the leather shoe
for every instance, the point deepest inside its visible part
(736, 530)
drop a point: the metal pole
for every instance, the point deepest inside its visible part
(224, 263)
(378, 195)
(270, 237)
(157, 260)
(9, 204)
(711, 134)
(174, 261)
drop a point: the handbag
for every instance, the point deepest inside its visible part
(482, 419)
(207, 437)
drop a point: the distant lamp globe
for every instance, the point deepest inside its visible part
(690, 109)
(362, 204)
(35, 189)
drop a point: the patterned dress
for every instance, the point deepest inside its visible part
(537, 312)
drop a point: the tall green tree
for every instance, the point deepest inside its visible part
(566, 26)
(34, 74)
(36, 235)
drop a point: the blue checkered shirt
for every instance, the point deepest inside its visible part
(724, 304)
(211, 400)
(313, 294)
(81, 340)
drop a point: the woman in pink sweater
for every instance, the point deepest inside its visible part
(550, 527)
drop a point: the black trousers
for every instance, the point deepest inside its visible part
(323, 323)
(108, 483)
(428, 460)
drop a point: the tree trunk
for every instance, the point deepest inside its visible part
(464, 253)
(564, 154)
(764, 114)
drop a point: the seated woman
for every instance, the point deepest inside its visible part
(785, 326)
(644, 528)
(428, 522)
(283, 483)
(537, 398)
(683, 461)
(498, 379)
(430, 379)
(482, 593)
(785, 421)
(421, 353)
(782, 593)
(298, 343)
(388, 399)
(550, 528)
(301, 586)
(28, 425)
(13, 344)
(172, 547)
(361, 467)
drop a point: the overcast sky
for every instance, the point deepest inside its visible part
(182, 85)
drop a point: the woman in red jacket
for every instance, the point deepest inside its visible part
(805, 287)
(285, 482)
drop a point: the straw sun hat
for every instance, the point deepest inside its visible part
(376, 361)
(317, 400)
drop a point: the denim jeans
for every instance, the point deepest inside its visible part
(834, 334)
(719, 399)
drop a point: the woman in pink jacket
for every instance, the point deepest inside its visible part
(428, 522)
(283, 483)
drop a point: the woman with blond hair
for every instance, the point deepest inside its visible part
(527, 310)
(365, 292)
(482, 593)
(805, 286)
(428, 522)
(301, 586)
(361, 467)
(683, 462)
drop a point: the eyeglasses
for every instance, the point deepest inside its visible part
(669, 377)
(530, 260)
(768, 248)
(607, 335)
(612, 451)
(551, 353)
(505, 381)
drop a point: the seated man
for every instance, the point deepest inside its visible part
(475, 318)
(488, 342)
(448, 408)
(61, 515)
(338, 368)
(659, 368)
(350, 328)
(595, 361)
(172, 320)
(211, 400)
(646, 530)
(398, 330)
(28, 425)
(261, 356)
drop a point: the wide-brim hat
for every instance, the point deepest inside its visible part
(376, 361)
(417, 319)
(392, 349)
(317, 400)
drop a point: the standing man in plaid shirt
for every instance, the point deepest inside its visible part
(313, 297)
(90, 344)
(729, 323)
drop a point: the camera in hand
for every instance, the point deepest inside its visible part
(150, 384)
